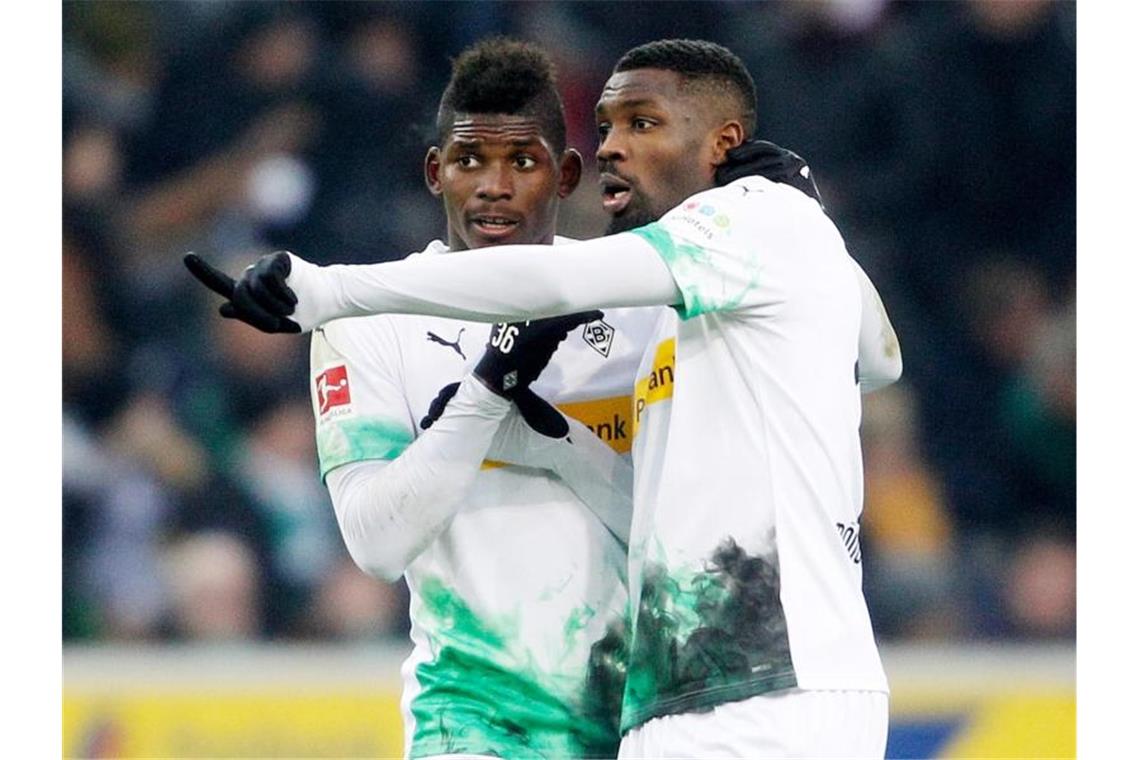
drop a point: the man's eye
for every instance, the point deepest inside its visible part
(642, 124)
(525, 162)
(603, 129)
(467, 161)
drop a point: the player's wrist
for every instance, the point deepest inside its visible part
(475, 391)
(317, 289)
(494, 373)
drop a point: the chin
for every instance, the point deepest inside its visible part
(631, 219)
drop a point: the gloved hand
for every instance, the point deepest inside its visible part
(771, 162)
(515, 356)
(536, 411)
(438, 404)
(260, 298)
(517, 352)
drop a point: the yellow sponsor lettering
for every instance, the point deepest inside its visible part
(658, 384)
(608, 418)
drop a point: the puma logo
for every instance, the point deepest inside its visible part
(436, 339)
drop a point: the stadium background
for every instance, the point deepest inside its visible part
(204, 584)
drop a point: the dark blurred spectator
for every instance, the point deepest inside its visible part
(1040, 589)
(1038, 413)
(1002, 174)
(111, 62)
(275, 468)
(352, 606)
(371, 203)
(93, 380)
(1003, 307)
(907, 530)
(112, 527)
(836, 82)
(213, 584)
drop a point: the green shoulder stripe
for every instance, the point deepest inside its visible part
(710, 279)
(679, 256)
(354, 440)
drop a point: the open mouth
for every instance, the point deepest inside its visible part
(494, 226)
(616, 193)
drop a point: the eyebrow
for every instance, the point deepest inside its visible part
(518, 142)
(634, 103)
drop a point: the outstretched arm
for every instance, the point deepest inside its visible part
(492, 284)
(284, 293)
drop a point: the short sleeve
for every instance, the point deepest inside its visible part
(358, 401)
(714, 244)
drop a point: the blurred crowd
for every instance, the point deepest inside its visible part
(942, 136)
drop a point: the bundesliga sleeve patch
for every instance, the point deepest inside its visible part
(332, 388)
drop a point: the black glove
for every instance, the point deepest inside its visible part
(515, 356)
(536, 411)
(260, 298)
(517, 352)
(771, 162)
(438, 404)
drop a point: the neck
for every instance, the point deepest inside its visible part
(457, 243)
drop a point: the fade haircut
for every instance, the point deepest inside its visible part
(504, 76)
(701, 64)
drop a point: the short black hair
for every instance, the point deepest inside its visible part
(699, 62)
(504, 76)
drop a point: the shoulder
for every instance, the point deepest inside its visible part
(747, 197)
(359, 338)
(356, 328)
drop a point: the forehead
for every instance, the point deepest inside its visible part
(496, 130)
(640, 86)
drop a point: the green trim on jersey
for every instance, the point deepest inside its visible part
(477, 698)
(704, 288)
(707, 637)
(354, 440)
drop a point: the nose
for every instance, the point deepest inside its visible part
(612, 148)
(496, 183)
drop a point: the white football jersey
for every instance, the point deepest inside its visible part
(744, 561)
(512, 604)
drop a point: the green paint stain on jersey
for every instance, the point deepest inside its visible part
(704, 287)
(707, 637)
(479, 697)
(576, 623)
(354, 440)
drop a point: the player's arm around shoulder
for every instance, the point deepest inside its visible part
(880, 356)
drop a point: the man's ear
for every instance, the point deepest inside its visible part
(569, 173)
(728, 136)
(431, 171)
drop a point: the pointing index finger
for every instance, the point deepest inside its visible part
(214, 279)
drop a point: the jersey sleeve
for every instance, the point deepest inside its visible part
(357, 393)
(715, 245)
(880, 358)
